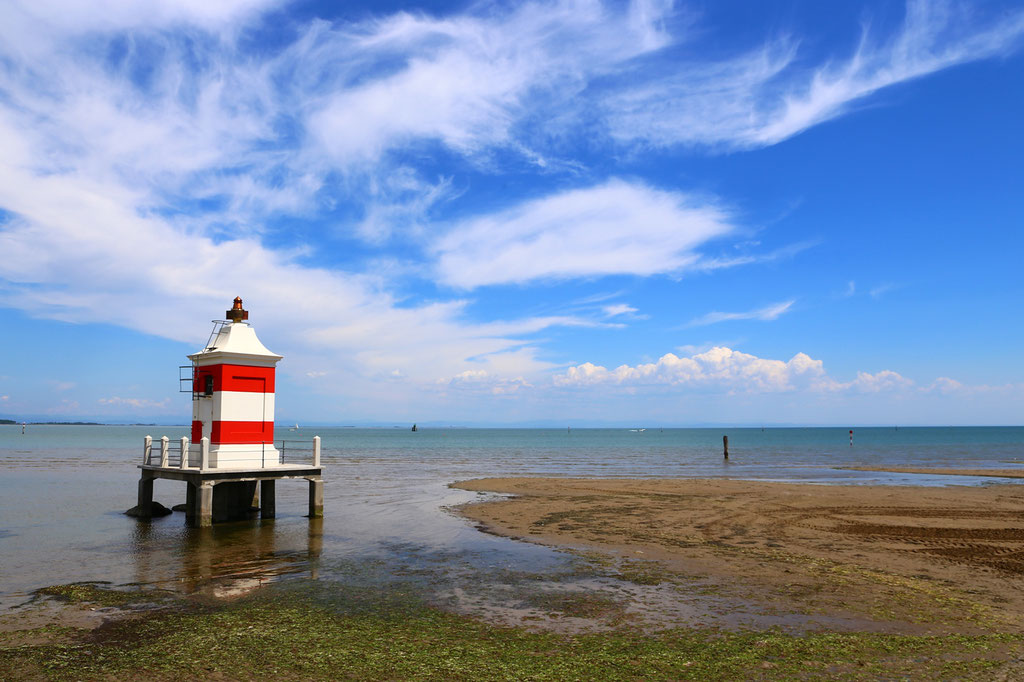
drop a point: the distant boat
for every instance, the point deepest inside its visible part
(637, 430)
(413, 427)
(294, 428)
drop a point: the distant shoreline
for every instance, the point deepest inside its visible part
(11, 422)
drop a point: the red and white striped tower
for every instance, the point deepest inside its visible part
(233, 391)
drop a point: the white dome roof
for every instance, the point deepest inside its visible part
(236, 340)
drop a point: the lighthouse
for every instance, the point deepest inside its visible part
(229, 460)
(233, 395)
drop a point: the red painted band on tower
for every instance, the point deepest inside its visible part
(242, 433)
(235, 378)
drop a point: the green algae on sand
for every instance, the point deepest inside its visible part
(287, 635)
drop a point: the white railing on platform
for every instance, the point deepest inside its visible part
(300, 451)
(180, 454)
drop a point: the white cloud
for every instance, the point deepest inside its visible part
(886, 380)
(722, 369)
(616, 228)
(767, 313)
(138, 403)
(67, 17)
(5, 397)
(477, 380)
(770, 94)
(952, 387)
(881, 290)
(65, 407)
(945, 385)
(936, 35)
(617, 309)
(400, 203)
(468, 80)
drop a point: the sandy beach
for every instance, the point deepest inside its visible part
(946, 471)
(894, 558)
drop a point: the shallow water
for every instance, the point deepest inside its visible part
(63, 490)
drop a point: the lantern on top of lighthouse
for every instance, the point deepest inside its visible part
(233, 395)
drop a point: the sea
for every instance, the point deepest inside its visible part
(388, 504)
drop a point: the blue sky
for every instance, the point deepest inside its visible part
(486, 213)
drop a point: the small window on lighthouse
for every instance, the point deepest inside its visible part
(208, 384)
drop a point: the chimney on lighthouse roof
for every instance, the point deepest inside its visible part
(237, 314)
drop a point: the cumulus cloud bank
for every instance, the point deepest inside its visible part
(725, 369)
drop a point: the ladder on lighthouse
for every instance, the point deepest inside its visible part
(187, 384)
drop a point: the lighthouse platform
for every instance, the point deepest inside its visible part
(215, 494)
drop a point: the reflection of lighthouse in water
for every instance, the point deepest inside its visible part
(227, 565)
(233, 387)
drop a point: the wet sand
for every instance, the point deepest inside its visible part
(893, 558)
(939, 471)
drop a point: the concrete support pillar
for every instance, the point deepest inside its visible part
(205, 504)
(184, 452)
(268, 506)
(316, 451)
(316, 498)
(255, 504)
(191, 512)
(147, 449)
(163, 451)
(145, 497)
(204, 453)
(232, 500)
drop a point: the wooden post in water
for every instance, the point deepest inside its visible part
(725, 446)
